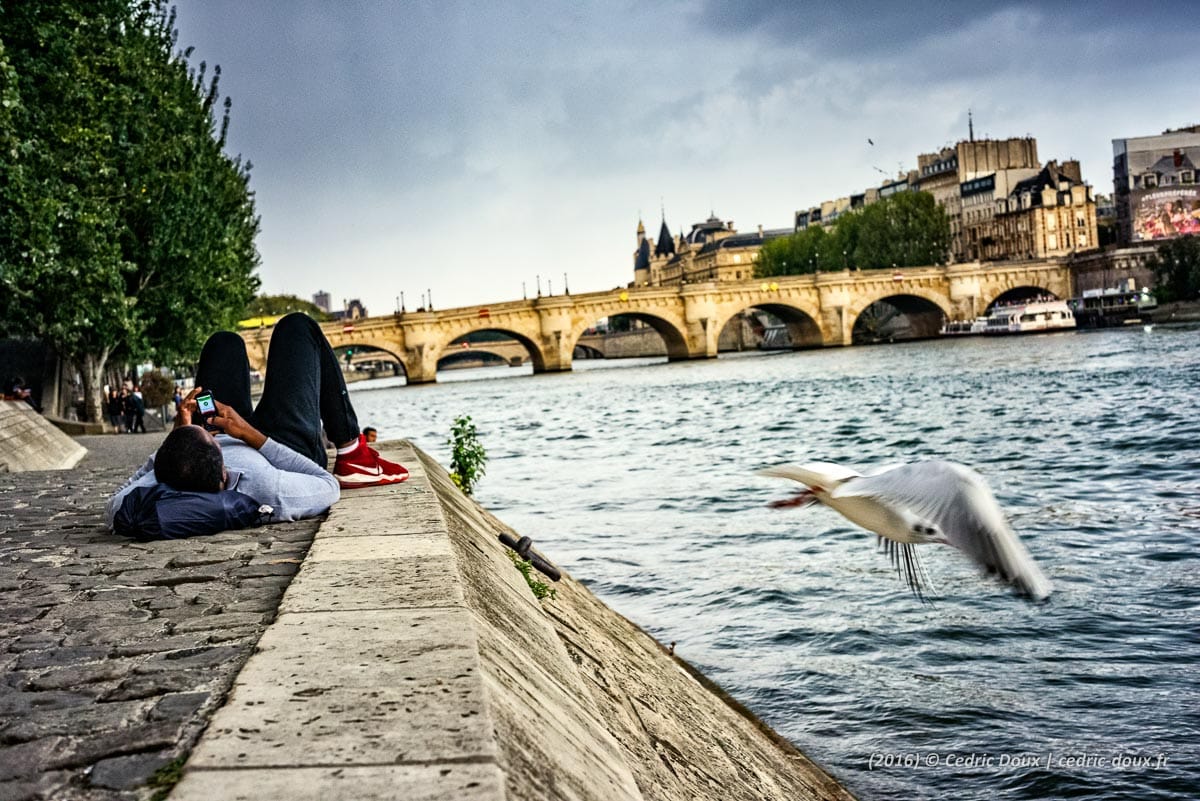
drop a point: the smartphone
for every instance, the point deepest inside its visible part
(207, 408)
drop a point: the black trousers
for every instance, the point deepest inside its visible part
(304, 386)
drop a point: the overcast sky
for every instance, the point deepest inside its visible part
(465, 148)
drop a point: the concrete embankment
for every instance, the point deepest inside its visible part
(408, 659)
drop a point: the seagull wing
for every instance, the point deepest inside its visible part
(812, 474)
(958, 502)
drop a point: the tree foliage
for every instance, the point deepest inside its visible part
(125, 230)
(157, 389)
(1176, 268)
(274, 305)
(907, 229)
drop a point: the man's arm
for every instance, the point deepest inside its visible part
(230, 422)
(305, 489)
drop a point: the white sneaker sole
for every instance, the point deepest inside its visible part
(359, 480)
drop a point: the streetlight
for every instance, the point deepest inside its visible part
(430, 291)
(566, 289)
(524, 294)
(539, 285)
(401, 302)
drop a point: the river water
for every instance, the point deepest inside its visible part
(639, 478)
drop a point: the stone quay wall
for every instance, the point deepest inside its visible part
(407, 659)
(29, 441)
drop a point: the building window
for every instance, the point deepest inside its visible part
(1051, 222)
(1186, 177)
(1149, 180)
(1082, 240)
(1052, 241)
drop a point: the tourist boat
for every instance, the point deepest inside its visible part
(1114, 306)
(1029, 318)
(965, 328)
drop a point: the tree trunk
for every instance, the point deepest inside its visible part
(92, 373)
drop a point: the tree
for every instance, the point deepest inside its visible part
(908, 229)
(805, 251)
(275, 305)
(125, 231)
(1176, 268)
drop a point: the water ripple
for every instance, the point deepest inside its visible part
(639, 477)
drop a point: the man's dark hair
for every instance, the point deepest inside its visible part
(189, 461)
(368, 430)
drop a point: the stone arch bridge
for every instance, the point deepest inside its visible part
(819, 310)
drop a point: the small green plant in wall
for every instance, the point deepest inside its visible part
(468, 459)
(541, 590)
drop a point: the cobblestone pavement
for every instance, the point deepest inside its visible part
(116, 653)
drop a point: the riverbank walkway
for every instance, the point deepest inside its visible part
(388, 651)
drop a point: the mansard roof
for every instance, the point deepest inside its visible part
(702, 232)
(1166, 165)
(754, 239)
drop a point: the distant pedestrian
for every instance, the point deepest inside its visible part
(139, 411)
(127, 409)
(116, 410)
(21, 392)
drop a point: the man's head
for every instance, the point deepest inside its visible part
(370, 434)
(190, 460)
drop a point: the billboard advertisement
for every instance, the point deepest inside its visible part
(1165, 213)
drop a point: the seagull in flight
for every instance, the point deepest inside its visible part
(910, 504)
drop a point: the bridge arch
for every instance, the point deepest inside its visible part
(258, 340)
(803, 328)
(671, 331)
(358, 354)
(1019, 294)
(925, 310)
(445, 345)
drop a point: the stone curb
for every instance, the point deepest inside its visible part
(368, 685)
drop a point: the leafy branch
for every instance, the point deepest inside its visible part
(468, 459)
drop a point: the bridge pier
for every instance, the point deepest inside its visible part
(700, 315)
(420, 364)
(557, 348)
(837, 324)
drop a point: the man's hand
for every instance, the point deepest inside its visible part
(230, 422)
(187, 407)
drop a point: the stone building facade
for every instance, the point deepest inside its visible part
(712, 250)
(1048, 215)
(1001, 201)
(1156, 189)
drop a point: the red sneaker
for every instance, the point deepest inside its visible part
(363, 467)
